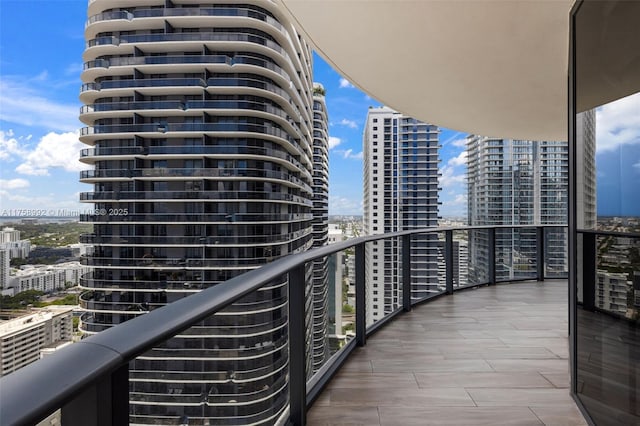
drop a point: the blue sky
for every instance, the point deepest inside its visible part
(41, 45)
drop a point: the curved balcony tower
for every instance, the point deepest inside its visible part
(199, 121)
(320, 225)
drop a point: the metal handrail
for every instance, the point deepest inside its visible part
(64, 375)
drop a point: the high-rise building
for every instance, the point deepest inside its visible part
(200, 122)
(5, 267)
(515, 182)
(400, 193)
(585, 172)
(320, 212)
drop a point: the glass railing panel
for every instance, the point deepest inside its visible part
(461, 259)
(230, 368)
(426, 266)
(383, 278)
(333, 308)
(556, 253)
(516, 253)
(478, 256)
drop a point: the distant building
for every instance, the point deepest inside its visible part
(400, 193)
(9, 235)
(10, 241)
(516, 182)
(611, 291)
(335, 233)
(460, 263)
(4, 268)
(23, 339)
(585, 172)
(47, 278)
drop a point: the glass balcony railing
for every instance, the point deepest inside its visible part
(298, 318)
(187, 11)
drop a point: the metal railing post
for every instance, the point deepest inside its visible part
(406, 273)
(104, 403)
(361, 299)
(297, 347)
(589, 261)
(448, 261)
(540, 253)
(492, 255)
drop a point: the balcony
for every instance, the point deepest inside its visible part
(487, 355)
(494, 355)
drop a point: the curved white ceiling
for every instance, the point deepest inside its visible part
(496, 68)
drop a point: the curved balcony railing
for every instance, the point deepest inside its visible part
(194, 172)
(93, 375)
(182, 60)
(192, 241)
(197, 217)
(187, 11)
(141, 196)
(192, 150)
(200, 36)
(185, 106)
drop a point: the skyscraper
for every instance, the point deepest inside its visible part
(320, 225)
(200, 121)
(514, 182)
(400, 193)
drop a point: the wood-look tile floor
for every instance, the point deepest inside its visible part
(490, 356)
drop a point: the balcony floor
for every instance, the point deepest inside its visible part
(491, 356)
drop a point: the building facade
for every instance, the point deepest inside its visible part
(320, 290)
(400, 193)
(23, 339)
(5, 267)
(10, 241)
(514, 182)
(200, 127)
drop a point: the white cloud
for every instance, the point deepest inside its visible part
(13, 184)
(460, 160)
(349, 123)
(349, 154)
(54, 150)
(334, 141)
(345, 84)
(455, 140)
(449, 177)
(637, 166)
(50, 202)
(344, 206)
(460, 199)
(618, 123)
(23, 103)
(10, 146)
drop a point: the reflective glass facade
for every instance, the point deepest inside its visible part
(605, 232)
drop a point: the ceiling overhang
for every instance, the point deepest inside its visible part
(496, 68)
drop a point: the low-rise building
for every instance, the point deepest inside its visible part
(47, 278)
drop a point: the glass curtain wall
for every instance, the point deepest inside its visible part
(605, 210)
